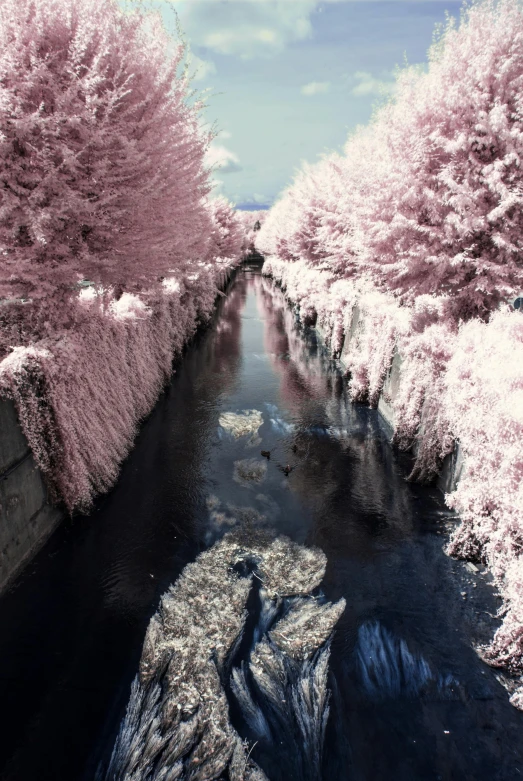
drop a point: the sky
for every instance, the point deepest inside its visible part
(287, 80)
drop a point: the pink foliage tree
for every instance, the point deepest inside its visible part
(448, 218)
(101, 155)
(103, 174)
(251, 222)
(428, 198)
(227, 237)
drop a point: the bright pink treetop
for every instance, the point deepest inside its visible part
(101, 156)
(429, 198)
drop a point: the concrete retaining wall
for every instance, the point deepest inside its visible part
(26, 517)
(453, 464)
(389, 392)
(354, 325)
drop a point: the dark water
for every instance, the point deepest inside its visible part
(410, 698)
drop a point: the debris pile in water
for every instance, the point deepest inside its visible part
(239, 424)
(177, 724)
(249, 470)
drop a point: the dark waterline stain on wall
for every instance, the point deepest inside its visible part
(410, 698)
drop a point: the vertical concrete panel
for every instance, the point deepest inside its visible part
(349, 336)
(453, 464)
(389, 393)
(26, 517)
(451, 470)
(13, 444)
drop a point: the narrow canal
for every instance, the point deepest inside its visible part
(410, 699)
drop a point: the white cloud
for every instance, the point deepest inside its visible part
(200, 69)
(315, 87)
(369, 85)
(222, 159)
(224, 134)
(250, 28)
(318, 3)
(253, 201)
(247, 29)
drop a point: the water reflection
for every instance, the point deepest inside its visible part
(73, 627)
(389, 669)
(410, 698)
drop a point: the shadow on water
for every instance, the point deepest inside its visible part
(410, 699)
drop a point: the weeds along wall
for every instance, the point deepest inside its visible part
(81, 395)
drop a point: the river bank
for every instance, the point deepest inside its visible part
(450, 395)
(71, 406)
